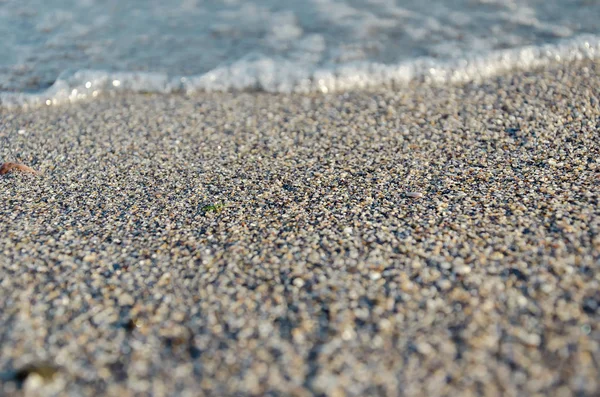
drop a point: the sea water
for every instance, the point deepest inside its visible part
(56, 51)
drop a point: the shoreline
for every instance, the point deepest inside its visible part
(428, 241)
(289, 78)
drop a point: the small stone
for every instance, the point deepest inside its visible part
(385, 325)
(416, 264)
(414, 194)
(164, 279)
(424, 348)
(522, 301)
(33, 384)
(444, 284)
(529, 339)
(375, 276)
(348, 334)
(314, 257)
(126, 300)
(462, 270)
(495, 256)
(298, 282)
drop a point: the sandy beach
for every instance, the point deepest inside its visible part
(422, 241)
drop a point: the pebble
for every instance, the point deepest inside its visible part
(126, 300)
(298, 282)
(375, 276)
(462, 270)
(414, 194)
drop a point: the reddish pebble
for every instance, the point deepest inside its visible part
(9, 167)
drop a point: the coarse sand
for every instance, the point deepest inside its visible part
(423, 241)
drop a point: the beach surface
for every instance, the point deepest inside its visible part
(419, 242)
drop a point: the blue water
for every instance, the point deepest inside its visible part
(54, 51)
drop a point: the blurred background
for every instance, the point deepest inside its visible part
(43, 40)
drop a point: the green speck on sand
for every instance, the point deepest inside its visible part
(218, 207)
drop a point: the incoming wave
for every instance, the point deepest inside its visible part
(257, 72)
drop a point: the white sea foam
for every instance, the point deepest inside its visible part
(67, 50)
(284, 76)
